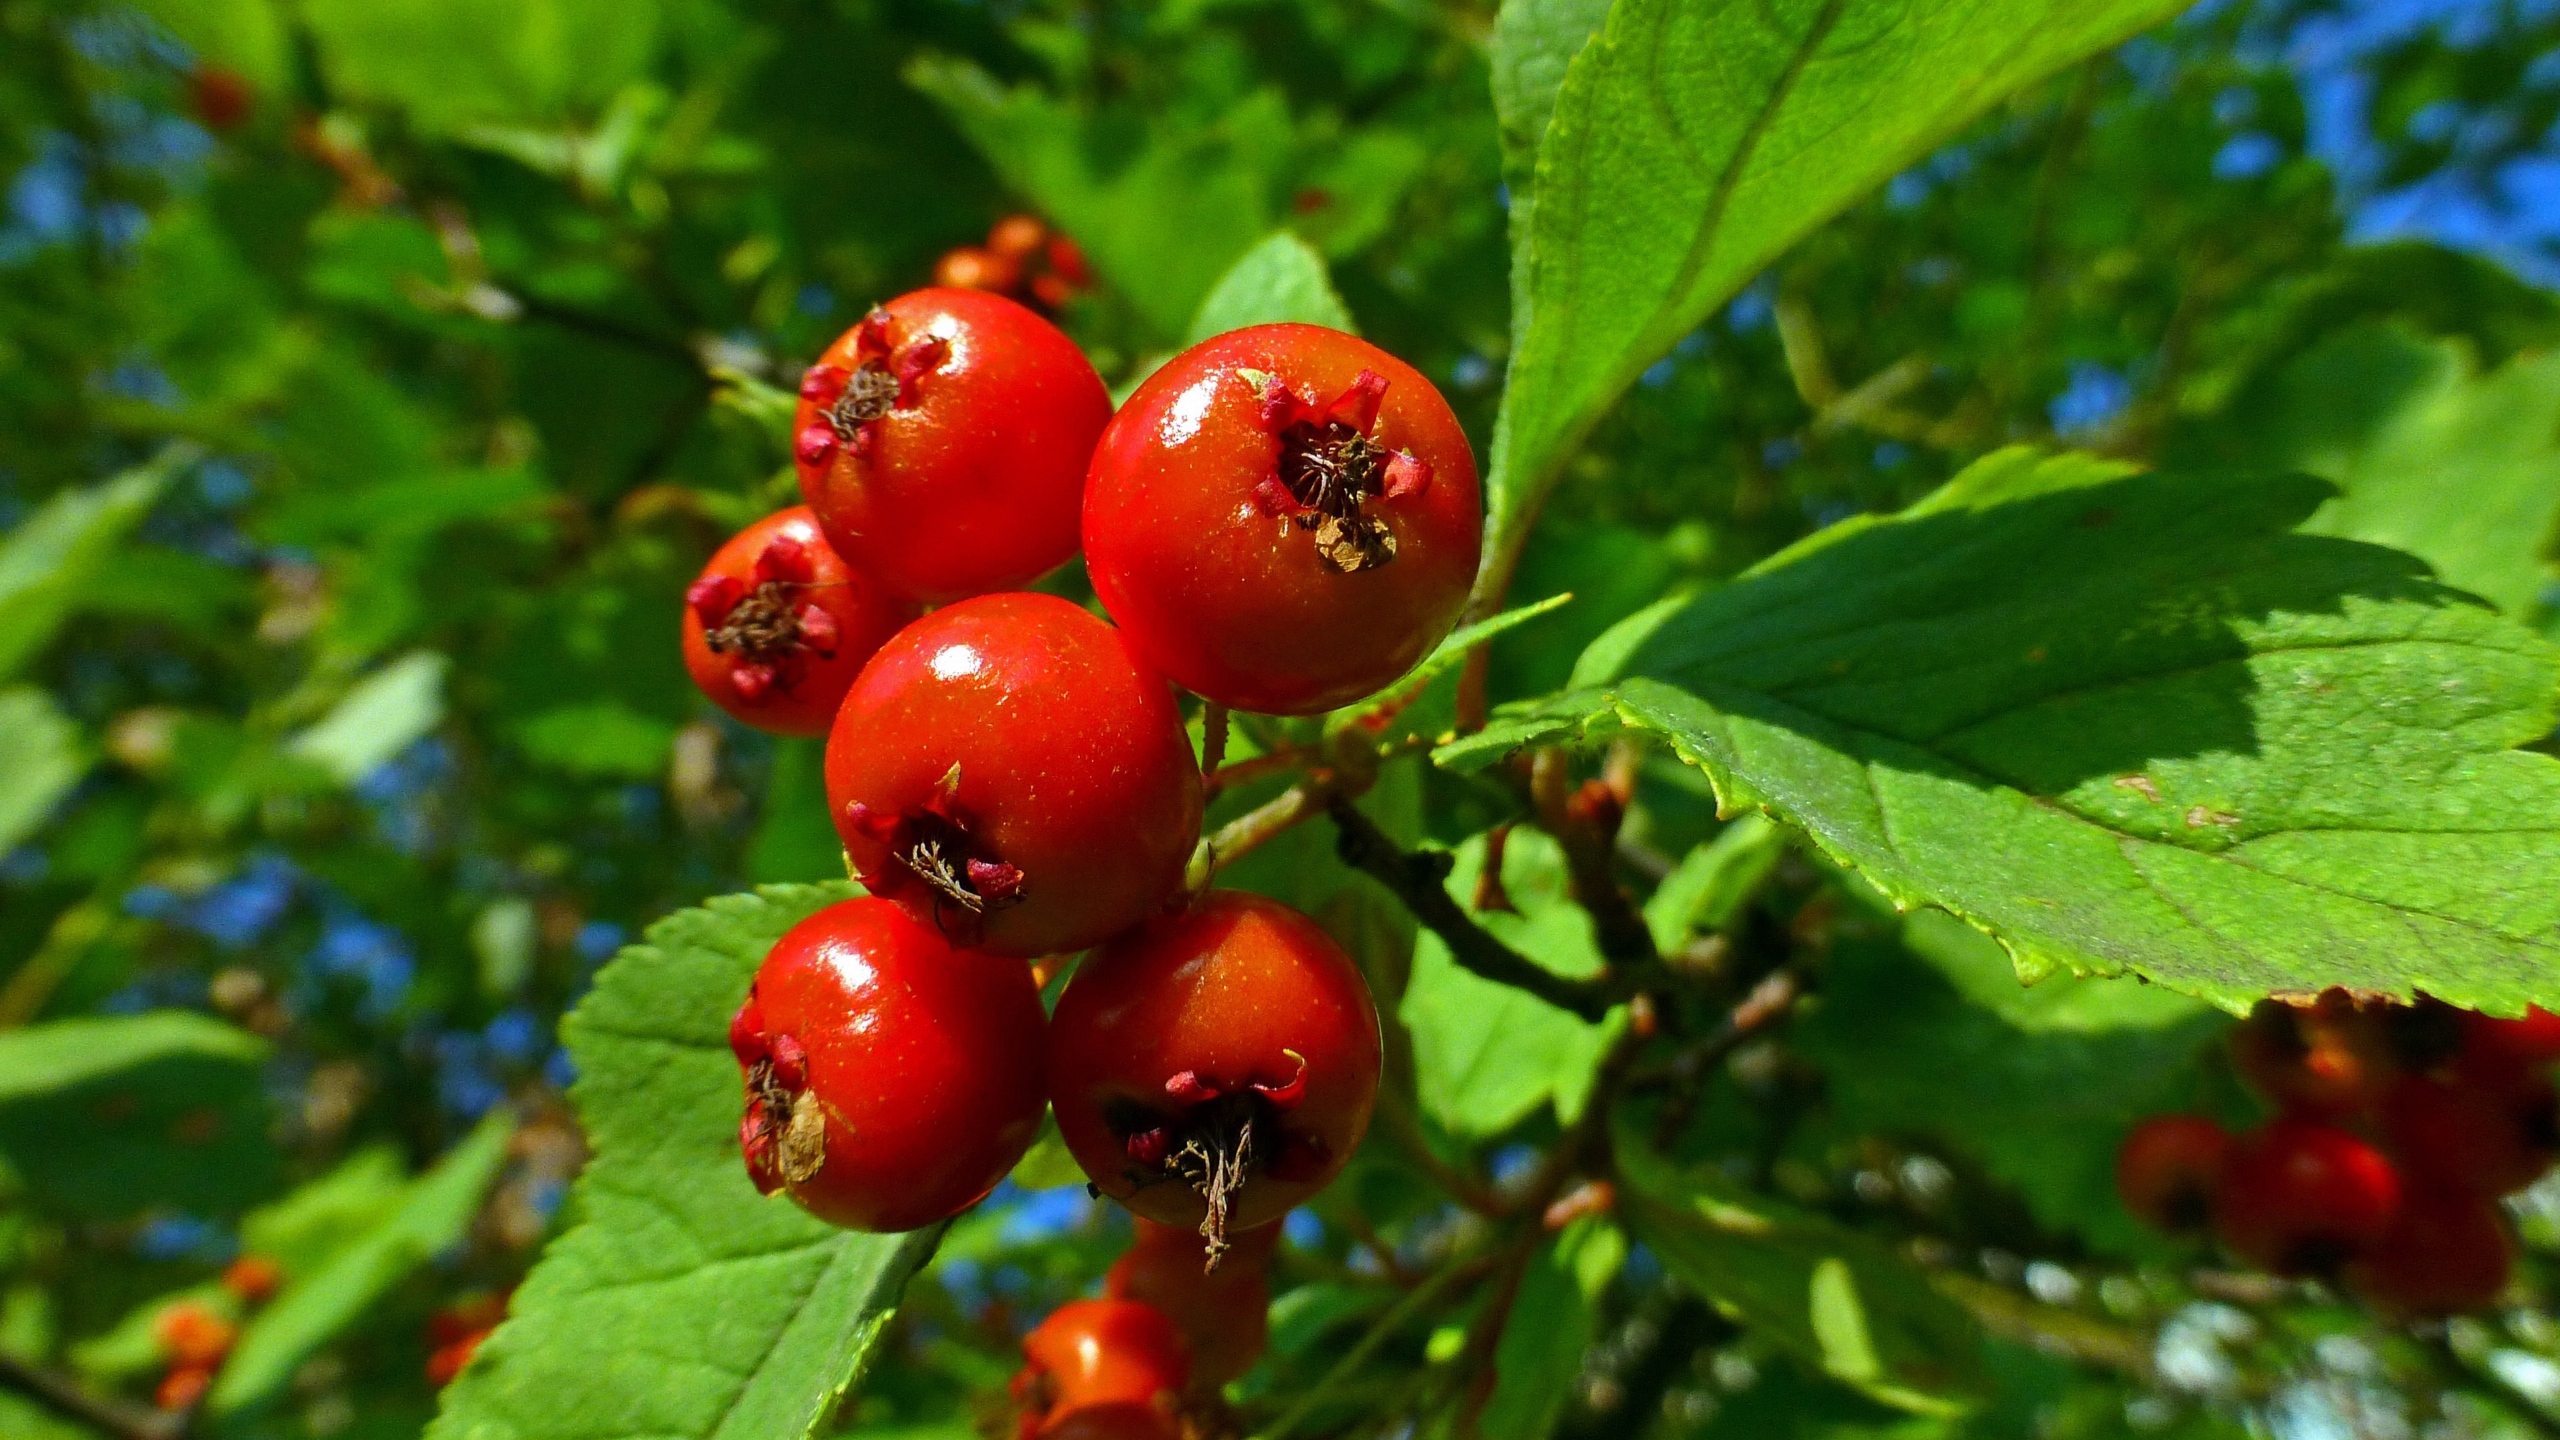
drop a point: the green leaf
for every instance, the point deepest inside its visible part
(1713, 882)
(1486, 1055)
(48, 560)
(2128, 724)
(1693, 141)
(453, 63)
(109, 1116)
(1552, 1322)
(1444, 658)
(2038, 1083)
(683, 1304)
(1281, 279)
(795, 838)
(42, 761)
(598, 737)
(384, 714)
(1533, 42)
(433, 1215)
(316, 1221)
(2458, 468)
(1162, 223)
(1840, 1301)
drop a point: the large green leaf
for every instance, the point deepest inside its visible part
(454, 63)
(112, 1115)
(2459, 468)
(1282, 278)
(48, 559)
(246, 36)
(42, 761)
(1840, 1301)
(382, 715)
(2129, 724)
(1552, 1322)
(1485, 1055)
(432, 1216)
(1692, 141)
(683, 1304)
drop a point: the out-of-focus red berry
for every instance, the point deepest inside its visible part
(2328, 1059)
(2302, 1198)
(221, 99)
(2168, 1170)
(253, 1278)
(1222, 1314)
(2472, 1139)
(182, 1387)
(1016, 237)
(190, 1333)
(2445, 1253)
(970, 268)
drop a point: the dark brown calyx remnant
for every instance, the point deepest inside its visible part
(1208, 1142)
(1332, 470)
(767, 622)
(882, 381)
(784, 1133)
(932, 848)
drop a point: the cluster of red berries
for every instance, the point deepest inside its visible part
(1022, 260)
(1155, 1350)
(2398, 1129)
(196, 1335)
(1283, 519)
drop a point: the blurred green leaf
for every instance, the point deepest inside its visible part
(683, 1303)
(47, 560)
(599, 737)
(1486, 1055)
(795, 839)
(110, 1116)
(1692, 142)
(1840, 1301)
(433, 1215)
(451, 63)
(1533, 42)
(2126, 723)
(1281, 279)
(1714, 881)
(384, 714)
(319, 1219)
(42, 761)
(1553, 1321)
(244, 36)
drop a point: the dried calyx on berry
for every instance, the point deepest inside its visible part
(1331, 469)
(883, 380)
(1205, 1136)
(932, 850)
(784, 1132)
(770, 627)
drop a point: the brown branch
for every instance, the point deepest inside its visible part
(1585, 824)
(68, 1398)
(1420, 881)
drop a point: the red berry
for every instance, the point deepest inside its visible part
(919, 1069)
(2457, 1135)
(1223, 1314)
(970, 268)
(2446, 1253)
(2532, 1039)
(1017, 237)
(778, 627)
(2330, 1058)
(182, 1387)
(221, 99)
(253, 1278)
(2301, 1198)
(1213, 1068)
(1284, 519)
(191, 1334)
(1067, 262)
(1006, 770)
(1102, 1370)
(447, 1360)
(2168, 1169)
(943, 443)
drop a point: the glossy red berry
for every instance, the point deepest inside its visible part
(2445, 1253)
(1007, 771)
(2474, 1139)
(2168, 1169)
(1213, 1068)
(1284, 519)
(1222, 1313)
(2301, 1198)
(2330, 1058)
(943, 441)
(777, 627)
(1102, 1370)
(891, 1079)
